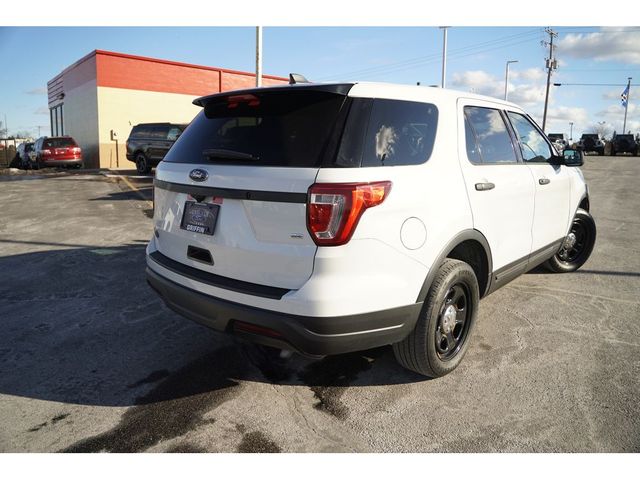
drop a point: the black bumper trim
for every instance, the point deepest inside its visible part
(217, 280)
(308, 335)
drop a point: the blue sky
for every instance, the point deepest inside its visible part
(476, 62)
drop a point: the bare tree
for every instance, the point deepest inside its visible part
(3, 131)
(603, 129)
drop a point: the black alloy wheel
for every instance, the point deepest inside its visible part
(453, 322)
(440, 338)
(142, 164)
(577, 245)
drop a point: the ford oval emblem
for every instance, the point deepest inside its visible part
(198, 175)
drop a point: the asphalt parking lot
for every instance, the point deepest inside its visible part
(91, 360)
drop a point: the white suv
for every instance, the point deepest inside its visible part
(328, 218)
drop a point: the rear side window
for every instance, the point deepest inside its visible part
(280, 129)
(492, 140)
(174, 133)
(58, 143)
(141, 131)
(399, 133)
(159, 133)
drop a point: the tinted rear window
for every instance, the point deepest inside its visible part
(280, 129)
(399, 133)
(58, 143)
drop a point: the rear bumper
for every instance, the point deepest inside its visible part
(62, 162)
(308, 335)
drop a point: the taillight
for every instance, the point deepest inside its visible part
(334, 209)
(76, 150)
(46, 151)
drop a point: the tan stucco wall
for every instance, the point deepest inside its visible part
(81, 120)
(120, 109)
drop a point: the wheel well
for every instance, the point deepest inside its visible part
(473, 253)
(584, 204)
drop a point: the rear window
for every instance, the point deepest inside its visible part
(279, 129)
(58, 143)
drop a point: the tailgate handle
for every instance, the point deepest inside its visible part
(199, 255)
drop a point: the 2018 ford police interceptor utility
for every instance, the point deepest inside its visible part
(328, 218)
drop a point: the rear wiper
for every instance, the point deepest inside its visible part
(228, 154)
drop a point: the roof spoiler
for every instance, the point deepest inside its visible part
(337, 88)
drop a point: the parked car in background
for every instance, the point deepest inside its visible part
(60, 151)
(559, 141)
(329, 218)
(591, 142)
(624, 143)
(148, 143)
(25, 155)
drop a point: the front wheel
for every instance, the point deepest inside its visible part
(577, 245)
(440, 338)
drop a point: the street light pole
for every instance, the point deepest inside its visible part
(258, 56)
(443, 83)
(506, 78)
(571, 130)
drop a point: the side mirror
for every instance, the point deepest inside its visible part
(573, 158)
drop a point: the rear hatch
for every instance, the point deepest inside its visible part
(230, 195)
(64, 148)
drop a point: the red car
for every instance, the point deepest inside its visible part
(57, 152)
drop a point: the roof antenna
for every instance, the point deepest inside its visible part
(297, 78)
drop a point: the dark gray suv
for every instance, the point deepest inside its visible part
(148, 143)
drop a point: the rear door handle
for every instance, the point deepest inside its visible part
(481, 187)
(544, 181)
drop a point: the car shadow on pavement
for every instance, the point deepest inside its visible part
(146, 192)
(81, 326)
(541, 271)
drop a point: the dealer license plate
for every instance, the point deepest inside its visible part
(200, 217)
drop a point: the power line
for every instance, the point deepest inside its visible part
(603, 32)
(591, 84)
(451, 58)
(417, 61)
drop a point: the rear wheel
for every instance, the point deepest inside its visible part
(577, 245)
(440, 338)
(142, 164)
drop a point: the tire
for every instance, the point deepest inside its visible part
(16, 162)
(142, 164)
(570, 259)
(454, 291)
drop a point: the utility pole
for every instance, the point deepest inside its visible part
(443, 83)
(626, 105)
(258, 56)
(552, 64)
